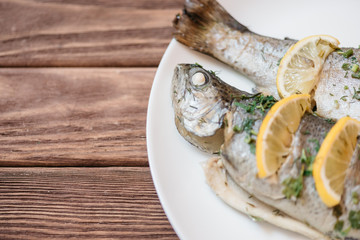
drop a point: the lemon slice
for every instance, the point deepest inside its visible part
(333, 160)
(276, 132)
(299, 69)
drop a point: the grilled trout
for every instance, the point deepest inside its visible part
(217, 117)
(207, 27)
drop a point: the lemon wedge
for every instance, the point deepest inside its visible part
(333, 160)
(300, 68)
(276, 132)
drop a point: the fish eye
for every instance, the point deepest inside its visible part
(199, 79)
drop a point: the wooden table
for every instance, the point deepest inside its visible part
(75, 79)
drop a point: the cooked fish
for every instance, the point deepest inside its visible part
(205, 26)
(205, 107)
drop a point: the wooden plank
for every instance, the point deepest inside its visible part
(85, 33)
(74, 116)
(80, 203)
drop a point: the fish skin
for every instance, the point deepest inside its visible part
(240, 162)
(205, 26)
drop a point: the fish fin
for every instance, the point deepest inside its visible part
(197, 19)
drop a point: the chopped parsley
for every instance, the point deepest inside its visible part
(355, 68)
(255, 218)
(346, 66)
(214, 73)
(344, 98)
(196, 65)
(348, 53)
(247, 126)
(317, 144)
(355, 75)
(346, 231)
(356, 94)
(329, 120)
(293, 186)
(339, 225)
(260, 102)
(354, 219)
(248, 108)
(353, 60)
(355, 198)
(277, 212)
(252, 146)
(307, 132)
(308, 160)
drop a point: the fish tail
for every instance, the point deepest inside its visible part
(197, 19)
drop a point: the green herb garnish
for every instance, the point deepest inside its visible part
(354, 219)
(355, 68)
(348, 53)
(353, 60)
(196, 65)
(355, 75)
(214, 73)
(237, 129)
(277, 212)
(293, 186)
(355, 198)
(247, 125)
(339, 225)
(260, 102)
(346, 231)
(346, 66)
(329, 120)
(356, 94)
(317, 144)
(308, 160)
(346, 87)
(252, 147)
(344, 98)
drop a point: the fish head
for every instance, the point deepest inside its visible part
(200, 101)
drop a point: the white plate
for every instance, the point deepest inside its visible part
(192, 208)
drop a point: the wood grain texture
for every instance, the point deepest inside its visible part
(74, 116)
(85, 33)
(80, 203)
